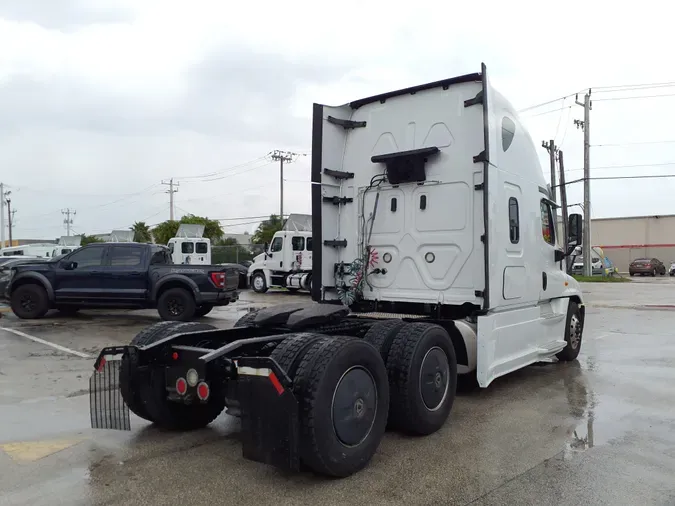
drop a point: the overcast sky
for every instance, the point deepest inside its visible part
(100, 100)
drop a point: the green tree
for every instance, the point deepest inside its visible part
(88, 239)
(212, 228)
(141, 232)
(267, 229)
(167, 229)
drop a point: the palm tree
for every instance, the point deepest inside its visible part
(141, 232)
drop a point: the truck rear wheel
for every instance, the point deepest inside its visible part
(573, 333)
(382, 334)
(342, 389)
(422, 368)
(291, 350)
(30, 301)
(131, 381)
(176, 304)
(258, 282)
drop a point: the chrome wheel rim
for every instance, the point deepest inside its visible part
(434, 378)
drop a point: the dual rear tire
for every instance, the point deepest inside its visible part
(349, 390)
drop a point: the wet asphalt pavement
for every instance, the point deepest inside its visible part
(600, 430)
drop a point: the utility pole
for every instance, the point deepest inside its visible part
(563, 204)
(173, 188)
(585, 126)
(552, 150)
(2, 215)
(282, 156)
(10, 215)
(68, 221)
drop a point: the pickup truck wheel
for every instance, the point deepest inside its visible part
(203, 310)
(343, 393)
(129, 376)
(176, 304)
(573, 334)
(258, 282)
(29, 302)
(422, 368)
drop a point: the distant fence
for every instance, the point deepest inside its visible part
(235, 254)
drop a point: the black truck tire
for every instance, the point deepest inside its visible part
(176, 304)
(259, 283)
(573, 333)
(291, 350)
(130, 380)
(382, 334)
(422, 368)
(343, 394)
(29, 301)
(203, 310)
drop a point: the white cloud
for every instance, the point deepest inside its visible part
(103, 99)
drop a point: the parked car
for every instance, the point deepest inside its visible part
(120, 275)
(651, 266)
(671, 270)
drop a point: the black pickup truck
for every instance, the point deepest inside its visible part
(120, 275)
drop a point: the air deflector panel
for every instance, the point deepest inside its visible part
(406, 166)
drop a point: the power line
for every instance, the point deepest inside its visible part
(221, 171)
(637, 86)
(607, 178)
(627, 166)
(633, 143)
(634, 98)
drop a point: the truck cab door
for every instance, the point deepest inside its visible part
(275, 255)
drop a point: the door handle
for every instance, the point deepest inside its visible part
(544, 280)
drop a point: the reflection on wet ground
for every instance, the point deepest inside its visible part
(596, 431)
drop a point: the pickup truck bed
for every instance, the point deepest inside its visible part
(120, 275)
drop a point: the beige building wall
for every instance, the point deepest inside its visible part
(625, 239)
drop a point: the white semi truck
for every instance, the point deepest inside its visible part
(434, 255)
(286, 263)
(190, 246)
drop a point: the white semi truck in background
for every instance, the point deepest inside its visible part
(435, 255)
(287, 260)
(190, 246)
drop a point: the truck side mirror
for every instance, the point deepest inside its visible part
(574, 231)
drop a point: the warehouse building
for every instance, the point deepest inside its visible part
(625, 239)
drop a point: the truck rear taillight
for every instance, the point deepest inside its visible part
(203, 391)
(181, 386)
(219, 279)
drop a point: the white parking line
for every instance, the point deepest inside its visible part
(47, 343)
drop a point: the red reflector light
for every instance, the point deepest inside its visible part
(276, 383)
(174, 355)
(101, 364)
(203, 391)
(181, 386)
(219, 279)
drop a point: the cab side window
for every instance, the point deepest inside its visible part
(277, 244)
(298, 243)
(514, 221)
(547, 223)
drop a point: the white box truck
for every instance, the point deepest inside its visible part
(435, 255)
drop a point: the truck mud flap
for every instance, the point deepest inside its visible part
(106, 407)
(269, 413)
